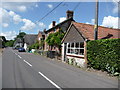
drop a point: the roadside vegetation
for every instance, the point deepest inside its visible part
(104, 55)
(54, 39)
(10, 43)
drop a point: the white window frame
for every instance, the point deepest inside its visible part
(74, 48)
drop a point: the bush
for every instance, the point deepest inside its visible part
(34, 46)
(104, 55)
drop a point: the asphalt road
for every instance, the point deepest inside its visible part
(26, 70)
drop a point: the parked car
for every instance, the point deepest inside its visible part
(21, 49)
(17, 48)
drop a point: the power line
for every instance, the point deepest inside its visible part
(76, 6)
(51, 11)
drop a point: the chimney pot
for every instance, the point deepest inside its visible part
(69, 14)
(53, 23)
(44, 30)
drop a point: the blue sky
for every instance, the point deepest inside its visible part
(24, 16)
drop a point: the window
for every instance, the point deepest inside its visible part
(76, 48)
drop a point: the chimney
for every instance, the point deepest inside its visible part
(53, 23)
(44, 30)
(69, 14)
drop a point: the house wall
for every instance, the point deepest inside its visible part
(25, 46)
(64, 26)
(74, 36)
(39, 36)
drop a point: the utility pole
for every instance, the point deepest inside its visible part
(96, 21)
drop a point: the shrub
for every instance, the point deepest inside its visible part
(104, 55)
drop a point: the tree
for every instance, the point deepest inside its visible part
(41, 44)
(34, 46)
(21, 35)
(10, 43)
(54, 39)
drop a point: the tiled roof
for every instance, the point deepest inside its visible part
(56, 26)
(103, 32)
(41, 32)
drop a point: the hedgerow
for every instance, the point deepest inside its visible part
(104, 55)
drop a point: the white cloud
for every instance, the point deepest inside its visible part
(17, 19)
(5, 24)
(22, 8)
(11, 13)
(10, 16)
(50, 26)
(29, 25)
(62, 19)
(116, 5)
(115, 9)
(110, 21)
(41, 25)
(50, 5)
(18, 6)
(9, 35)
(92, 22)
(4, 16)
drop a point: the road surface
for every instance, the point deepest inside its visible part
(26, 70)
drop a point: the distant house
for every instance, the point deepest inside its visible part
(63, 25)
(18, 42)
(41, 38)
(29, 39)
(74, 41)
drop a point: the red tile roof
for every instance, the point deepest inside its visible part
(103, 32)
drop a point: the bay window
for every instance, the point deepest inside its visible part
(76, 48)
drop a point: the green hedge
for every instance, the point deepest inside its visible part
(104, 55)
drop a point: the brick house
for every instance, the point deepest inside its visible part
(40, 38)
(63, 25)
(74, 41)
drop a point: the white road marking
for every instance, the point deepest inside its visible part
(15, 53)
(27, 63)
(50, 81)
(19, 56)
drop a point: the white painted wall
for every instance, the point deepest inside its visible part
(80, 62)
(63, 52)
(25, 46)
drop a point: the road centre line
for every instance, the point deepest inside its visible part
(27, 63)
(15, 53)
(50, 80)
(19, 56)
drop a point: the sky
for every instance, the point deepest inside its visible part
(26, 16)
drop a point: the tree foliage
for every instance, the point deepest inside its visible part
(55, 38)
(104, 55)
(21, 35)
(34, 46)
(10, 43)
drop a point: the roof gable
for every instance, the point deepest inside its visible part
(73, 35)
